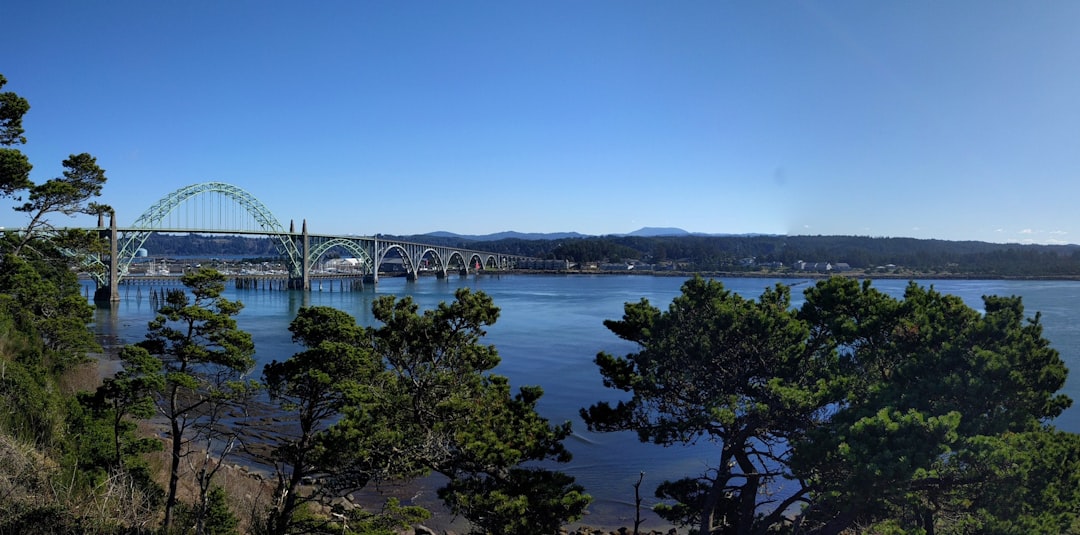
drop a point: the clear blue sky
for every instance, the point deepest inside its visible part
(953, 120)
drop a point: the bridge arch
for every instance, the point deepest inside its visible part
(318, 250)
(461, 258)
(407, 261)
(488, 261)
(153, 217)
(440, 262)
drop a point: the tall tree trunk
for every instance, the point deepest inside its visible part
(118, 418)
(747, 506)
(175, 429)
(174, 473)
(288, 507)
(290, 500)
(708, 507)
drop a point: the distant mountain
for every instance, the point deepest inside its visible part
(658, 231)
(508, 235)
(663, 232)
(644, 232)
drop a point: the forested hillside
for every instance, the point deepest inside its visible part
(731, 253)
(698, 253)
(721, 253)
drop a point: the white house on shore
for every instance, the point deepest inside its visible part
(821, 267)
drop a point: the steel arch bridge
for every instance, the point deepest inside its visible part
(153, 219)
(218, 207)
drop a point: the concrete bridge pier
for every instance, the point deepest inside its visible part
(304, 250)
(111, 292)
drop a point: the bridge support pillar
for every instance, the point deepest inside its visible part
(376, 257)
(111, 292)
(305, 251)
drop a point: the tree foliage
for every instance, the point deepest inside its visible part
(312, 386)
(875, 411)
(69, 194)
(42, 300)
(110, 443)
(14, 165)
(928, 385)
(58, 451)
(716, 366)
(433, 405)
(203, 355)
(217, 519)
(704, 253)
(727, 253)
(462, 421)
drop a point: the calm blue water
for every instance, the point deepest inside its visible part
(551, 328)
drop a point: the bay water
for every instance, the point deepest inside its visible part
(550, 329)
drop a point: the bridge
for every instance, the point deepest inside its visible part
(220, 208)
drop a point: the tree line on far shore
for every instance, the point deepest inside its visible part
(745, 254)
(777, 253)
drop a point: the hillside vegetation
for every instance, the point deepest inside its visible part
(745, 254)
